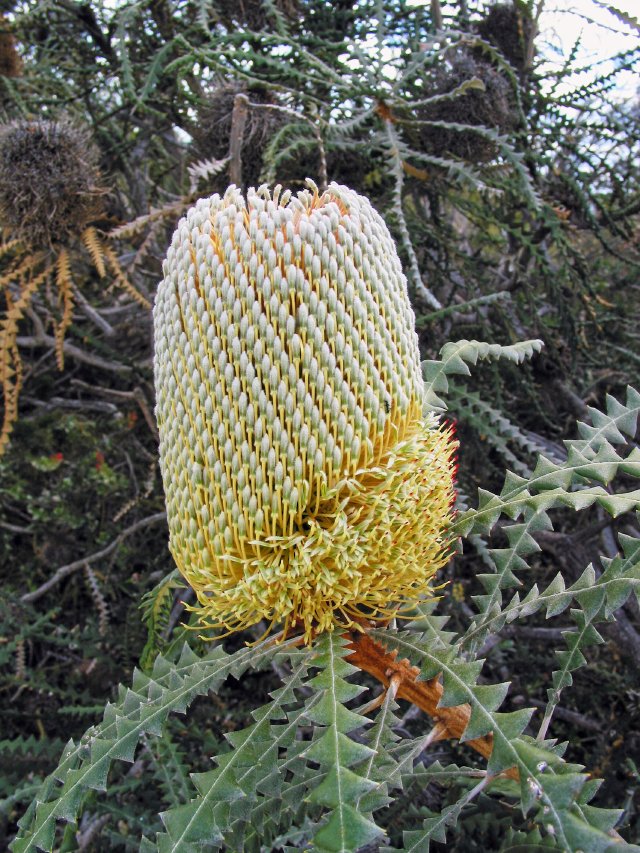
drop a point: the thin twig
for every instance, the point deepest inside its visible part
(322, 160)
(82, 405)
(90, 312)
(181, 598)
(570, 716)
(86, 838)
(65, 571)
(14, 528)
(137, 395)
(101, 391)
(436, 15)
(74, 352)
(141, 400)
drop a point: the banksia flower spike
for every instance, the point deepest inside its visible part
(304, 485)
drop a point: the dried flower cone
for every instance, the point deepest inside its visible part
(510, 27)
(254, 13)
(303, 484)
(48, 182)
(213, 125)
(492, 107)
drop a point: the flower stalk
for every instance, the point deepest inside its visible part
(398, 675)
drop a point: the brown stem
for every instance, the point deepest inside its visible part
(436, 15)
(238, 121)
(322, 159)
(374, 659)
(64, 571)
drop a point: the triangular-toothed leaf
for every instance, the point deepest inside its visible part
(333, 744)
(243, 795)
(602, 819)
(621, 575)
(455, 358)
(619, 418)
(340, 757)
(43, 838)
(432, 625)
(126, 722)
(455, 682)
(189, 830)
(490, 697)
(380, 764)
(580, 835)
(435, 828)
(346, 831)
(510, 747)
(323, 711)
(572, 659)
(552, 484)
(339, 786)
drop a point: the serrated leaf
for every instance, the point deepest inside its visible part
(334, 745)
(339, 786)
(346, 831)
(455, 358)
(338, 755)
(123, 724)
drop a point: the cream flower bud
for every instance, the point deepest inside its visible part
(303, 484)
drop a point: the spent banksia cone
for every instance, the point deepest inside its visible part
(303, 484)
(48, 178)
(212, 127)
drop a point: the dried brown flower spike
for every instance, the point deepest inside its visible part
(48, 181)
(212, 131)
(490, 106)
(49, 200)
(509, 26)
(256, 14)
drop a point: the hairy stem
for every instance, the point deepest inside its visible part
(371, 657)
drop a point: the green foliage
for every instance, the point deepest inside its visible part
(454, 358)
(335, 753)
(140, 710)
(314, 767)
(156, 612)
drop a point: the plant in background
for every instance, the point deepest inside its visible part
(49, 204)
(484, 97)
(254, 14)
(213, 128)
(276, 316)
(49, 189)
(511, 28)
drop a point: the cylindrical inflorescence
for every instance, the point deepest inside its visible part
(303, 484)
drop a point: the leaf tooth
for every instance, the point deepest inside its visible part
(457, 681)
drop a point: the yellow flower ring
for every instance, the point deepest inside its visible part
(304, 486)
